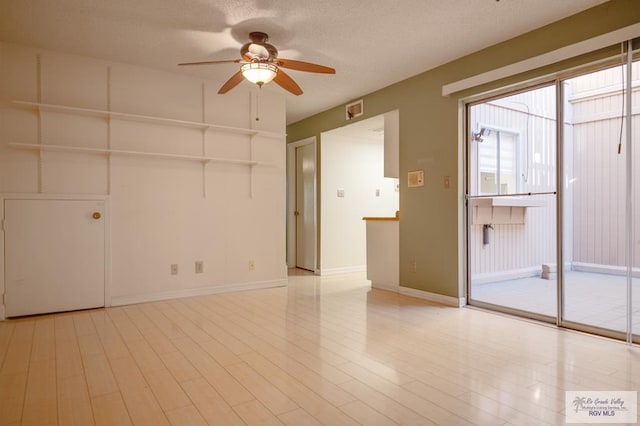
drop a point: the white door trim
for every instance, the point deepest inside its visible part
(291, 201)
(80, 197)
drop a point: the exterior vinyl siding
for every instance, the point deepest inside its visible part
(598, 183)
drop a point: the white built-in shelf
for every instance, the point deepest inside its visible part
(142, 118)
(502, 210)
(508, 202)
(66, 148)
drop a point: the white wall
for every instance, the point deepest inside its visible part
(159, 214)
(356, 166)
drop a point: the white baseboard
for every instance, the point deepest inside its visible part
(603, 269)
(456, 302)
(512, 274)
(344, 270)
(387, 287)
(200, 291)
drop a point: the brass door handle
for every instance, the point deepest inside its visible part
(96, 215)
(296, 213)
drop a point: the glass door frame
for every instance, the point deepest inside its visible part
(557, 81)
(468, 197)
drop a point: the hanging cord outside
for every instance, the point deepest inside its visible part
(622, 92)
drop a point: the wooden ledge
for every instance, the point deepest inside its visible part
(397, 217)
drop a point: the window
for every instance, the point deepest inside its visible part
(498, 160)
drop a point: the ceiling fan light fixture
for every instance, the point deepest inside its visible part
(259, 72)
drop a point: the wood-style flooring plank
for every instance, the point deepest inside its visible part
(311, 402)
(17, 357)
(109, 410)
(127, 330)
(224, 383)
(193, 330)
(74, 404)
(89, 344)
(186, 416)
(165, 324)
(83, 323)
(67, 353)
(143, 408)
(214, 325)
(298, 417)
(385, 405)
(265, 392)
(145, 356)
(6, 330)
(254, 413)
(366, 415)
(110, 338)
(179, 366)
(210, 404)
(41, 395)
(100, 379)
(167, 390)
(12, 387)
(44, 340)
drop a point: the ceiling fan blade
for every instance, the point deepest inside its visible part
(231, 83)
(287, 83)
(303, 66)
(211, 62)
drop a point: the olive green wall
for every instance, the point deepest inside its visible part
(431, 217)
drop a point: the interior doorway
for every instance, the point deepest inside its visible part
(353, 186)
(302, 229)
(305, 207)
(332, 184)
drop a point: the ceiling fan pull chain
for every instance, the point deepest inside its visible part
(258, 104)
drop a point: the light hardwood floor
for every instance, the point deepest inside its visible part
(324, 350)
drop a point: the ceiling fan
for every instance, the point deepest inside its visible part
(261, 64)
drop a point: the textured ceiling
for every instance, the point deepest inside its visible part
(370, 43)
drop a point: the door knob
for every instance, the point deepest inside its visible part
(296, 213)
(96, 215)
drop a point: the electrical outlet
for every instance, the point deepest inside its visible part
(252, 265)
(174, 269)
(199, 266)
(414, 266)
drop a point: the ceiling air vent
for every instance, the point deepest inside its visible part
(354, 109)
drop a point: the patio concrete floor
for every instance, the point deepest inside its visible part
(590, 298)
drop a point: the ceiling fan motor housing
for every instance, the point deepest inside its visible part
(258, 48)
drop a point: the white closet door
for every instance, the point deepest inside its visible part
(54, 255)
(306, 207)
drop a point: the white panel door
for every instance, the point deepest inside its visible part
(54, 255)
(305, 207)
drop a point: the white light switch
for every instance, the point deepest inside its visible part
(341, 193)
(377, 192)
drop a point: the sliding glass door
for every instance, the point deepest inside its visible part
(601, 178)
(512, 204)
(583, 272)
